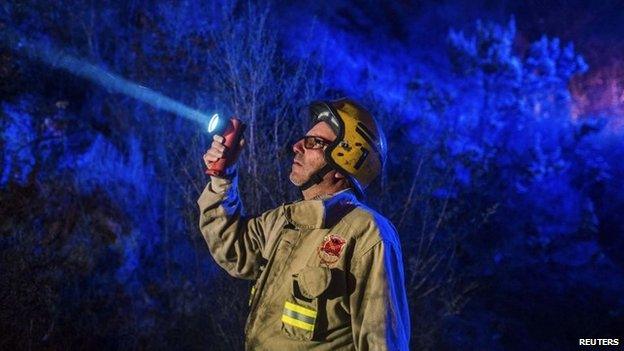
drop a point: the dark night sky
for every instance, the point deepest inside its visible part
(596, 27)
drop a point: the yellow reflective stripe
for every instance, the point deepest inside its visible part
(297, 323)
(300, 309)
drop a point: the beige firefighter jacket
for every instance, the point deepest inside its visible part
(328, 273)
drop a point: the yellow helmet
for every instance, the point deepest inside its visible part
(359, 151)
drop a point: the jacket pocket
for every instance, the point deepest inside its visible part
(301, 309)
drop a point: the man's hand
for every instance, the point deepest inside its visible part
(218, 150)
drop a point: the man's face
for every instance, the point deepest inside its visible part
(307, 161)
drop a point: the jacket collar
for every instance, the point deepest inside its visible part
(321, 213)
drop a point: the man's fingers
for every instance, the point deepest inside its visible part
(209, 159)
(217, 145)
(215, 153)
(212, 155)
(217, 149)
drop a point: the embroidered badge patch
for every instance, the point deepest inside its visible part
(330, 249)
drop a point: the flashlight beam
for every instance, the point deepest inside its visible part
(115, 83)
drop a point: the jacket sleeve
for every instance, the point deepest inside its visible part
(237, 243)
(379, 310)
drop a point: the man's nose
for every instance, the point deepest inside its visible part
(298, 147)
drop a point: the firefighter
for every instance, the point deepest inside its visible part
(327, 270)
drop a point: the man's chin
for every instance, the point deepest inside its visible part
(296, 181)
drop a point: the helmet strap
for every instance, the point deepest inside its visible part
(316, 178)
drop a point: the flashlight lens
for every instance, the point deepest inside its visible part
(214, 121)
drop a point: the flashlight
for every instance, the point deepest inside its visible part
(231, 130)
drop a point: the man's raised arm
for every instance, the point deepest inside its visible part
(237, 243)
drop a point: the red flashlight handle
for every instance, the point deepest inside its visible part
(231, 140)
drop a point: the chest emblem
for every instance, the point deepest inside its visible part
(331, 248)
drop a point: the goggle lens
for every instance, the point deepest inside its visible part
(313, 142)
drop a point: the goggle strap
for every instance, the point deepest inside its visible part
(316, 178)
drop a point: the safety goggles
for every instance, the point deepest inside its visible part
(311, 142)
